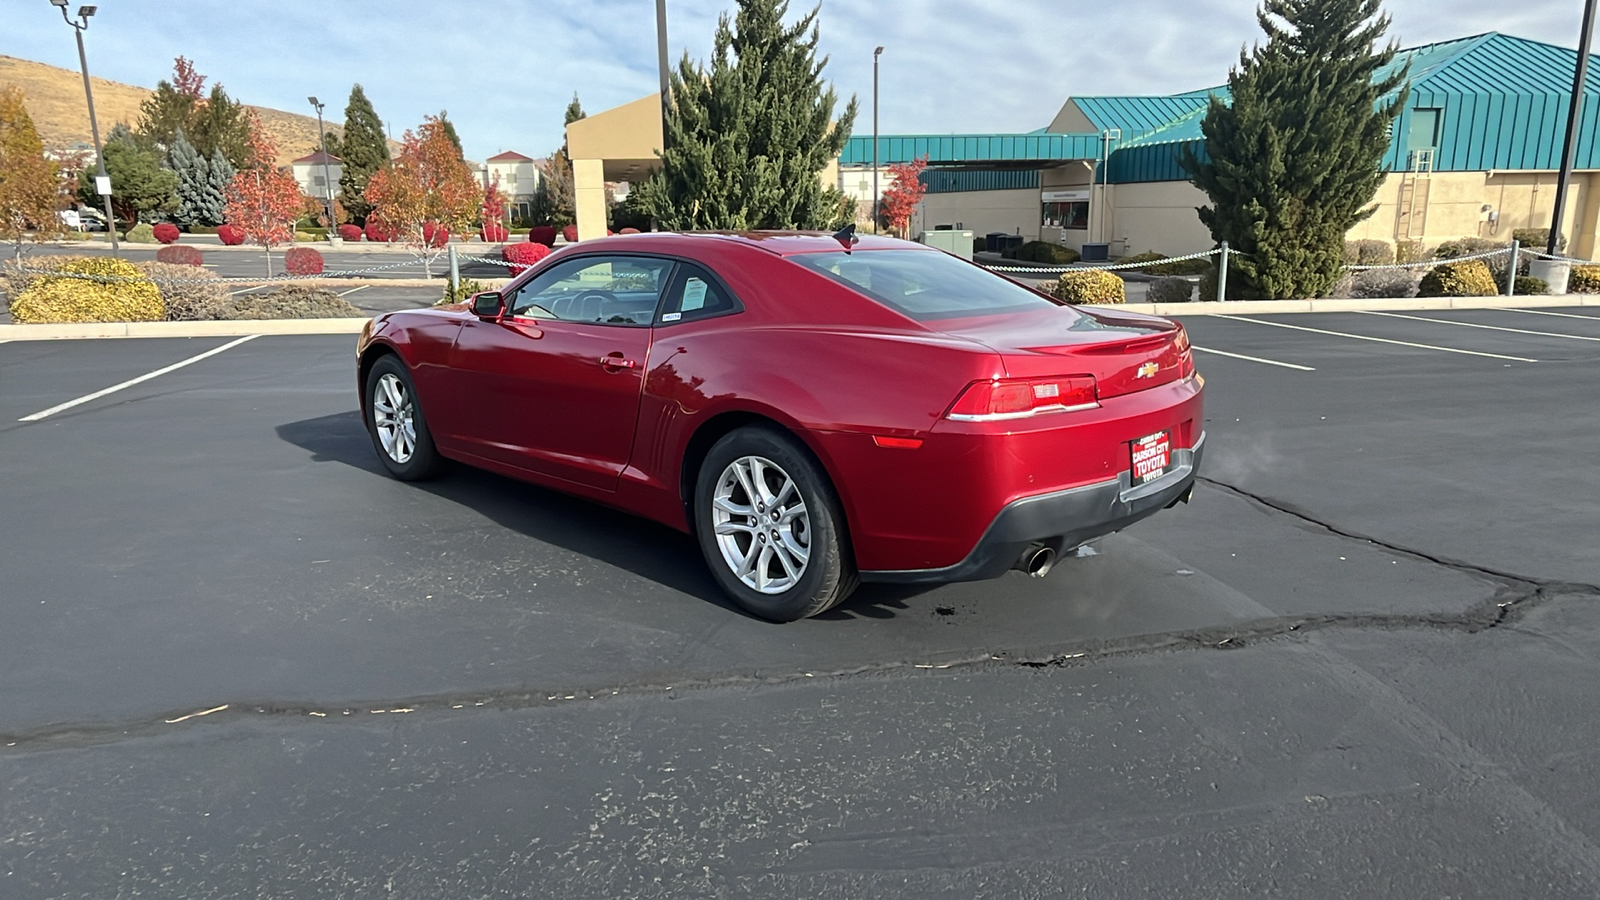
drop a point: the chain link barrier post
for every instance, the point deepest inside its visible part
(1511, 270)
(455, 271)
(1222, 274)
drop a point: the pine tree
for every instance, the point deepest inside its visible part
(139, 182)
(574, 111)
(1296, 158)
(747, 139)
(222, 124)
(28, 181)
(556, 190)
(219, 174)
(363, 150)
(193, 174)
(450, 132)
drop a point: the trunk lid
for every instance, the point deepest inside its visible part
(1125, 352)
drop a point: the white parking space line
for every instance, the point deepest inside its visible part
(247, 290)
(354, 289)
(1545, 312)
(46, 413)
(1554, 334)
(1254, 359)
(1379, 340)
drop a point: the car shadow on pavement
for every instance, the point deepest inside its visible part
(650, 550)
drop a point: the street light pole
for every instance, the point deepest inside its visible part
(327, 179)
(102, 182)
(875, 54)
(1574, 113)
(661, 61)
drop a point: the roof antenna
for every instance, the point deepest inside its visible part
(846, 236)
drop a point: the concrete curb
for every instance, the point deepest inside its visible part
(353, 325)
(1262, 307)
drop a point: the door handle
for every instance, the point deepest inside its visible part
(616, 362)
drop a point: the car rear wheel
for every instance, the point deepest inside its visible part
(395, 421)
(770, 526)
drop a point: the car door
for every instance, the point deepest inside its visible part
(553, 386)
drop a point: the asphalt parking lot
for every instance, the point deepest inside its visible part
(238, 660)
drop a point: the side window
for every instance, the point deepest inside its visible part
(603, 290)
(696, 295)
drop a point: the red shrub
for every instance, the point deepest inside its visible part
(231, 235)
(376, 234)
(179, 255)
(434, 234)
(629, 231)
(302, 261)
(570, 233)
(351, 233)
(524, 253)
(493, 231)
(166, 232)
(543, 234)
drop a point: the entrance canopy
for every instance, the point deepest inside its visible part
(1038, 150)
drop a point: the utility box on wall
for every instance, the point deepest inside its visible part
(956, 243)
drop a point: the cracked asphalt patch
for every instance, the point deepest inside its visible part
(238, 660)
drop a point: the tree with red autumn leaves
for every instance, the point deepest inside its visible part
(428, 183)
(493, 212)
(263, 200)
(901, 197)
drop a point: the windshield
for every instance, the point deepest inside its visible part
(924, 284)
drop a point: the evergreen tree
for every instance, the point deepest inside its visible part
(219, 174)
(450, 132)
(574, 111)
(747, 139)
(364, 151)
(556, 193)
(222, 124)
(1296, 158)
(139, 183)
(175, 106)
(193, 178)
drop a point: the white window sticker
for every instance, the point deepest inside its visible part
(671, 317)
(694, 295)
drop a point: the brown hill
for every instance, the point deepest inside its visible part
(54, 98)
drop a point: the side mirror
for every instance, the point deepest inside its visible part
(488, 305)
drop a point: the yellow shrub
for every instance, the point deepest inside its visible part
(1470, 278)
(1090, 286)
(128, 295)
(1584, 280)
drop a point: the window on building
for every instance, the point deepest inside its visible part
(1070, 214)
(317, 180)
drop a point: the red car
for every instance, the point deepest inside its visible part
(816, 409)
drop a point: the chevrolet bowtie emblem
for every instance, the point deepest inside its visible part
(1148, 370)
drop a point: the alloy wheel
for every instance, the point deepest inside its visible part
(394, 416)
(761, 524)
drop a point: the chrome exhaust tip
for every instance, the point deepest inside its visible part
(1038, 561)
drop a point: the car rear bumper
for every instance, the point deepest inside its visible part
(1061, 520)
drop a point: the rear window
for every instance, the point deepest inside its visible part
(924, 284)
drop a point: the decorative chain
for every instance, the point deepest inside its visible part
(1057, 270)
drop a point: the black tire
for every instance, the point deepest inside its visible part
(423, 460)
(828, 573)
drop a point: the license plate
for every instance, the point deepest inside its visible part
(1152, 456)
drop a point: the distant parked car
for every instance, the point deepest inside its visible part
(817, 409)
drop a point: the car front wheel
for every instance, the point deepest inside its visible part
(395, 421)
(770, 526)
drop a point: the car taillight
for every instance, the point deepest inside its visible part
(1185, 353)
(1016, 398)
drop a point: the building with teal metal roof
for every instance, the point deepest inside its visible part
(1474, 152)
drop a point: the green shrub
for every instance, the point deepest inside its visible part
(1380, 283)
(1470, 278)
(129, 296)
(1170, 290)
(1208, 285)
(1090, 286)
(142, 233)
(1538, 239)
(189, 293)
(1368, 253)
(1409, 252)
(1528, 286)
(1046, 252)
(1147, 256)
(466, 288)
(1584, 280)
(306, 236)
(1467, 246)
(1181, 267)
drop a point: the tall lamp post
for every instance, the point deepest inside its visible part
(1574, 113)
(327, 180)
(875, 54)
(102, 182)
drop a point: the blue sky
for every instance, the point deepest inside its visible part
(506, 70)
